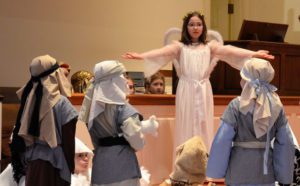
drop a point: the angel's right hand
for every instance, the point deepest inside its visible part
(132, 55)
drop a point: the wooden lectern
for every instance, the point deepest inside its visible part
(262, 36)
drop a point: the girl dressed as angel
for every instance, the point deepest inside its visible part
(194, 59)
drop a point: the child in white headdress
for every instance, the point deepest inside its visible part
(80, 177)
(82, 173)
(241, 151)
(115, 127)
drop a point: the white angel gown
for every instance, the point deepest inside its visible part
(194, 97)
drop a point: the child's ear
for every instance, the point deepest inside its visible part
(242, 83)
(179, 149)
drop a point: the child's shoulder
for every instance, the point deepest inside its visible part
(176, 43)
(63, 102)
(235, 102)
(63, 98)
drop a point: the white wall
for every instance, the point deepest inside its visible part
(291, 13)
(220, 17)
(83, 33)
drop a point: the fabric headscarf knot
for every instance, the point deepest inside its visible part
(262, 86)
(108, 87)
(258, 95)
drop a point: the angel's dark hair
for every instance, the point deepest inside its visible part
(185, 36)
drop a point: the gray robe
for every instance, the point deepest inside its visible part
(112, 164)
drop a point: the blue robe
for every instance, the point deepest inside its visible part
(244, 166)
(61, 158)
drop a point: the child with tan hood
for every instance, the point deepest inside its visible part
(190, 164)
(43, 138)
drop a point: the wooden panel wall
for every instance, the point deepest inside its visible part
(226, 80)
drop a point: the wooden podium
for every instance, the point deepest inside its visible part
(226, 80)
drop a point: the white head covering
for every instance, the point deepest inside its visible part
(258, 96)
(82, 178)
(109, 87)
(80, 147)
(54, 85)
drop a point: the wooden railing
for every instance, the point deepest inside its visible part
(155, 99)
(163, 106)
(157, 155)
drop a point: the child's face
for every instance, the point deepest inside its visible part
(130, 85)
(195, 28)
(157, 87)
(81, 162)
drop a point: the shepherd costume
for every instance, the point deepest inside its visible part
(241, 151)
(43, 138)
(114, 126)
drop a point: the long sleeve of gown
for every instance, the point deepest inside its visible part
(283, 155)
(234, 56)
(158, 58)
(220, 151)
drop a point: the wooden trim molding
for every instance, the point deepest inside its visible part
(286, 100)
(166, 73)
(9, 94)
(137, 99)
(153, 99)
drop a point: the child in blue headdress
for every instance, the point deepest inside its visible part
(241, 150)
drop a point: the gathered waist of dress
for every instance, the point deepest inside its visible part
(185, 78)
(250, 144)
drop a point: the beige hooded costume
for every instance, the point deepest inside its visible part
(54, 85)
(190, 163)
(43, 137)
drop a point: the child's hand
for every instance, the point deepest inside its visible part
(263, 54)
(132, 55)
(150, 126)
